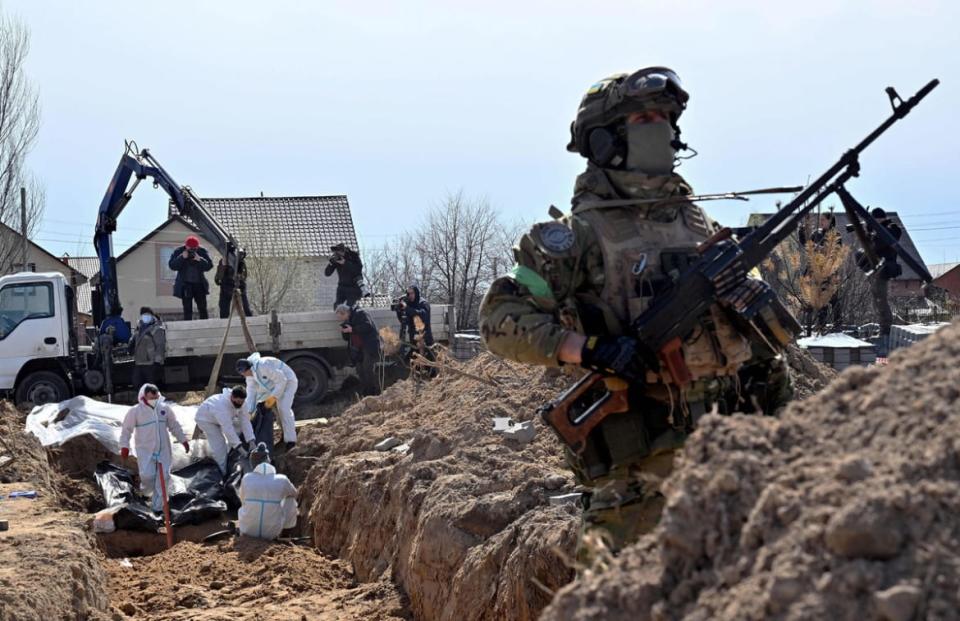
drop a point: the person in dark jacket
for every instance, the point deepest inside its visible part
(225, 278)
(149, 348)
(349, 268)
(360, 332)
(190, 261)
(416, 307)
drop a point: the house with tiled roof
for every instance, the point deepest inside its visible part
(291, 235)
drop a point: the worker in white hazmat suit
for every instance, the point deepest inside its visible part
(272, 382)
(220, 418)
(150, 422)
(269, 500)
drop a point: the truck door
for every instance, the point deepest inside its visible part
(29, 327)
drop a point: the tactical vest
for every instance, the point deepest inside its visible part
(645, 247)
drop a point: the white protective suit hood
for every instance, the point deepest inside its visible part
(269, 503)
(142, 391)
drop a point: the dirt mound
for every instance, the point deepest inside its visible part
(809, 376)
(845, 508)
(246, 579)
(30, 459)
(49, 568)
(458, 516)
(56, 471)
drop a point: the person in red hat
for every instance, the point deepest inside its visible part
(190, 261)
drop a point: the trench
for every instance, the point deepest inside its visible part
(211, 573)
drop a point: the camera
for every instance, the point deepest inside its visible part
(398, 304)
(344, 324)
(191, 253)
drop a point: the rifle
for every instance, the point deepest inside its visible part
(719, 276)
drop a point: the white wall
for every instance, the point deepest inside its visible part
(145, 280)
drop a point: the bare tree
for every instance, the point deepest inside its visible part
(19, 124)
(453, 255)
(811, 276)
(277, 271)
(388, 271)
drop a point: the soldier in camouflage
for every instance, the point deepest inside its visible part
(581, 279)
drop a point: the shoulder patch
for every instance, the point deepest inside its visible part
(554, 238)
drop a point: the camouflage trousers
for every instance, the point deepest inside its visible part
(626, 504)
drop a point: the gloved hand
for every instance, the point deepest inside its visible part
(613, 355)
(186, 446)
(270, 402)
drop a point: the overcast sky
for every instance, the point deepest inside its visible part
(396, 104)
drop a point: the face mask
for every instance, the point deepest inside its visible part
(152, 402)
(146, 319)
(648, 148)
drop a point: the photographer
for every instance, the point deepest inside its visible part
(228, 282)
(415, 307)
(190, 261)
(363, 340)
(346, 263)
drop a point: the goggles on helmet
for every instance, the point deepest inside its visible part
(649, 87)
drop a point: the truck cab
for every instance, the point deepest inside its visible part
(37, 343)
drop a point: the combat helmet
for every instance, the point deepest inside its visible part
(595, 133)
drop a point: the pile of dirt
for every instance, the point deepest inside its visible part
(809, 376)
(246, 578)
(54, 471)
(458, 516)
(30, 463)
(844, 508)
(49, 566)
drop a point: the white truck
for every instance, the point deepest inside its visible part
(41, 361)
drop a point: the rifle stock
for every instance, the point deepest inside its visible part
(574, 414)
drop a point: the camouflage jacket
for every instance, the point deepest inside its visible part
(593, 270)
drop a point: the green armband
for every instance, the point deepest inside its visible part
(533, 281)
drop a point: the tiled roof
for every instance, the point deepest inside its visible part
(88, 266)
(308, 224)
(850, 239)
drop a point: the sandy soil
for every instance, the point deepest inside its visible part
(49, 566)
(461, 519)
(246, 579)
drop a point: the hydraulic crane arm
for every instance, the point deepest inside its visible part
(139, 166)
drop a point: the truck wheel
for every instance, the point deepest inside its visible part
(41, 387)
(311, 380)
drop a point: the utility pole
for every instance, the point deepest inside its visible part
(23, 224)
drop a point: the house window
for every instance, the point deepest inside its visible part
(166, 274)
(854, 355)
(828, 355)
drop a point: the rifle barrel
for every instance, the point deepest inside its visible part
(771, 233)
